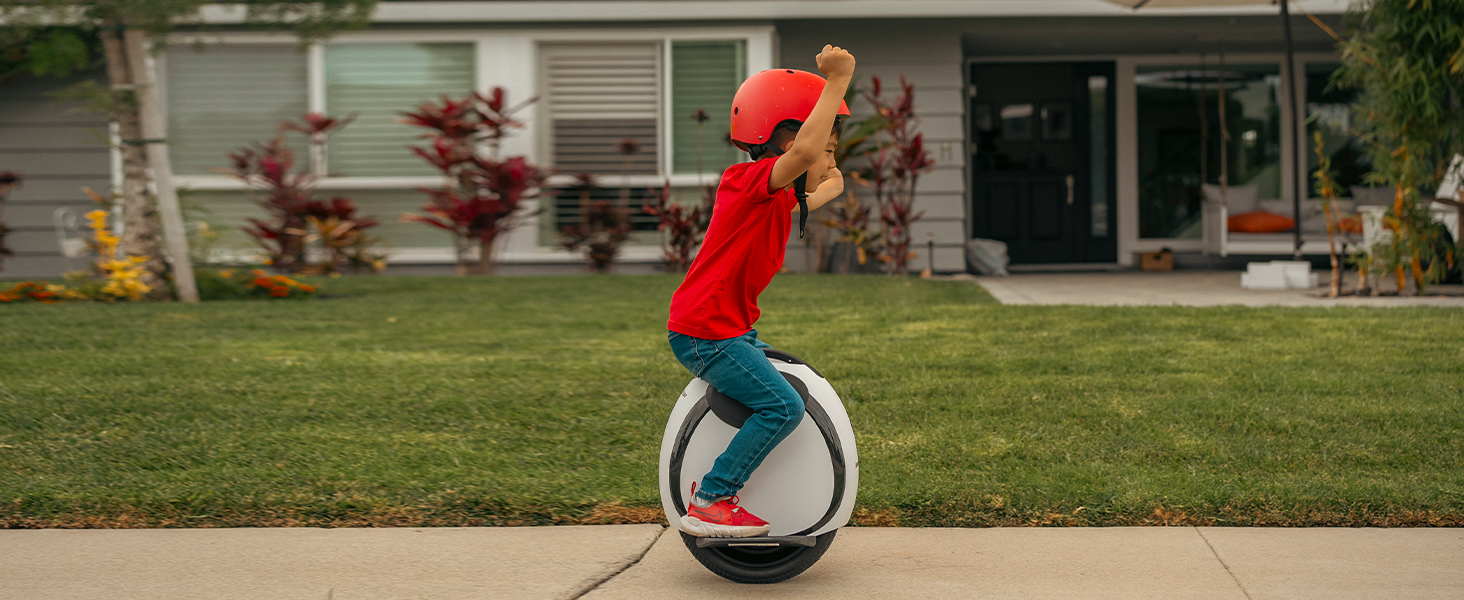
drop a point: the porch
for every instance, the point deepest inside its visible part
(1183, 288)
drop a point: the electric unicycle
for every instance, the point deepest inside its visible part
(804, 489)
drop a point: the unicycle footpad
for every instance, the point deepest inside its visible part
(769, 541)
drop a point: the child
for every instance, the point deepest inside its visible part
(787, 121)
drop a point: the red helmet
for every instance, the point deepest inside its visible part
(771, 97)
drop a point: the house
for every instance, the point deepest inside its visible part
(1080, 132)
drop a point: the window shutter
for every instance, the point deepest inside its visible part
(380, 81)
(598, 95)
(704, 76)
(222, 97)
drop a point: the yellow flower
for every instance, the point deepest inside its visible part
(98, 219)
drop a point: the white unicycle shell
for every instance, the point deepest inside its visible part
(803, 489)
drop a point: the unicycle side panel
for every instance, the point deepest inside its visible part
(802, 467)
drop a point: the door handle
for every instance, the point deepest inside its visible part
(1070, 189)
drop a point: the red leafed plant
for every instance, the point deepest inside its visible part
(482, 197)
(895, 166)
(603, 226)
(9, 180)
(296, 218)
(681, 229)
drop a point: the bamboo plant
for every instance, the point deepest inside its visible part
(1407, 57)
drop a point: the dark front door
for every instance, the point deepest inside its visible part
(1042, 160)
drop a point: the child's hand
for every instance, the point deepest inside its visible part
(835, 61)
(834, 185)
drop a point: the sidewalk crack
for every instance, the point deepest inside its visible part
(592, 584)
(1222, 563)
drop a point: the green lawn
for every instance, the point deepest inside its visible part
(447, 401)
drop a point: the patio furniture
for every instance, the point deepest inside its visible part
(1218, 239)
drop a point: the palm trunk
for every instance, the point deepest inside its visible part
(139, 216)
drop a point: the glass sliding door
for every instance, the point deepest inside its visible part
(1329, 110)
(1181, 145)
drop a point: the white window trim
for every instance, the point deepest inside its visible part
(523, 244)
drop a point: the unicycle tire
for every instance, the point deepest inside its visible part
(758, 564)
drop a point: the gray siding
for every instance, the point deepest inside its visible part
(58, 148)
(929, 56)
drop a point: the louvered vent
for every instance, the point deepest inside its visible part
(598, 95)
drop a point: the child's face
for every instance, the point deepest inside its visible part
(824, 167)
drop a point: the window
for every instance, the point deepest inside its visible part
(704, 76)
(1098, 154)
(600, 97)
(1329, 110)
(377, 82)
(221, 97)
(1180, 146)
(224, 97)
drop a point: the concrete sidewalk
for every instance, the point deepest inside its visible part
(1184, 288)
(591, 563)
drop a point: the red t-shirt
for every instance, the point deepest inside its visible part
(743, 249)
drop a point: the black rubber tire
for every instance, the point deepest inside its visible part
(759, 565)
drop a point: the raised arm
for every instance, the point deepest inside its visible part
(838, 66)
(827, 191)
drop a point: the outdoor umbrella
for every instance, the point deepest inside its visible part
(1289, 82)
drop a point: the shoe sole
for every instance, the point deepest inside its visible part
(699, 528)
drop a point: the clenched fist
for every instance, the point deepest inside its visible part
(835, 61)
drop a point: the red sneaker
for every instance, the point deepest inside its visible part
(723, 518)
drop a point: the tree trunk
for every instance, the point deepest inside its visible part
(151, 120)
(485, 257)
(139, 216)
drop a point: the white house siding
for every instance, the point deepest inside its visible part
(928, 54)
(58, 148)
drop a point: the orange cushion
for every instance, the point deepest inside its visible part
(1350, 224)
(1260, 221)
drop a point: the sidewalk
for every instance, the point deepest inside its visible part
(591, 563)
(1184, 288)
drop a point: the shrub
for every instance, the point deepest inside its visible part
(235, 284)
(9, 180)
(34, 291)
(895, 165)
(681, 229)
(296, 218)
(482, 197)
(1408, 59)
(603, 228)
(120, 278)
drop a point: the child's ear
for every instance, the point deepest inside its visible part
(788, 143)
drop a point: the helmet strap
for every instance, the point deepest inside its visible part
(799, 185)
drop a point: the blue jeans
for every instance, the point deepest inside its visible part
(738, 367)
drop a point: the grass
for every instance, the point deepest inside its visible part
(507, 401)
